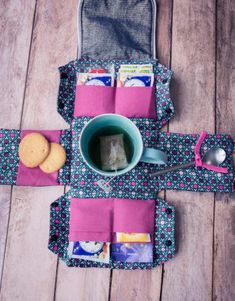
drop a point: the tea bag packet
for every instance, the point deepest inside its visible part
(95, 79)
(132, 237)
(90, 250)
(112, 152)
(134, 252)
(135, 76)
(132, 68)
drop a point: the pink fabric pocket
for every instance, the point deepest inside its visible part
(97, 219)
(91, 220)
(34, 176)
(135, 102)
(134, 216)
(94, 100)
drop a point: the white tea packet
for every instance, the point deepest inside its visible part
(95, 79)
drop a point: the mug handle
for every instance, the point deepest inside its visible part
(153, 156)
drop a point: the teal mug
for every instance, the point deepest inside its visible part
(111, 124)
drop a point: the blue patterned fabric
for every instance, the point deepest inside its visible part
(64, 173)
(66, 96)
(180, 150)
(164, 247)
(9, 158)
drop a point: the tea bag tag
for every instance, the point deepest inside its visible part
(104, 185)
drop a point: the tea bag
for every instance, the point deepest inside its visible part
(112, 152)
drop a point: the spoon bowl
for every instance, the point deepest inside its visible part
(215, 156)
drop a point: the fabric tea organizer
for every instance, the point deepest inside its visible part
(86, 212)
(13, 172)
(73, 217)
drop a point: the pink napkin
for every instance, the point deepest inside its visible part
(34, 176)
(97, 219)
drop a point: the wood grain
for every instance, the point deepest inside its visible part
(193, 47)
(224, 233)
(5, 196)
(136, 285)
(16, 19)
(29, 267)
(189, 275)
(14, 48)
(54, 40)
(224, 249)
(163, 32)
(82, 284)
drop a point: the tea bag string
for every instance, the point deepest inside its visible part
(106, 185)
(112, 178)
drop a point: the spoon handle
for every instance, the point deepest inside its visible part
(173, 168)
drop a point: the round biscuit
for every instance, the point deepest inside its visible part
(55, 160)
(33, 149)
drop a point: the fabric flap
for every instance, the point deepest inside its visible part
(117, 29)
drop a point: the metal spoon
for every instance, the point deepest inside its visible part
(215, 156)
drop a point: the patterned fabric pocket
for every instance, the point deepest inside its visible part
(13, 172)
(180, 149)
(92, 101)
(130, 102)
(97, 219)
(163, 236)
(135, 102)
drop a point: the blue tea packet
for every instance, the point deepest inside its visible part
(132, 252)
(90, 250)
(95, 79)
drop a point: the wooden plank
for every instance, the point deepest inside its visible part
(5, 196)
(54, 44)
(224, 233)
(16, 26)
(224, 249)
(189, 275)
(193, 66)
(136, 285)
(163, 34)
(29, 266)
(82, 284)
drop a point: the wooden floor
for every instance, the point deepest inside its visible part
(197, 40)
